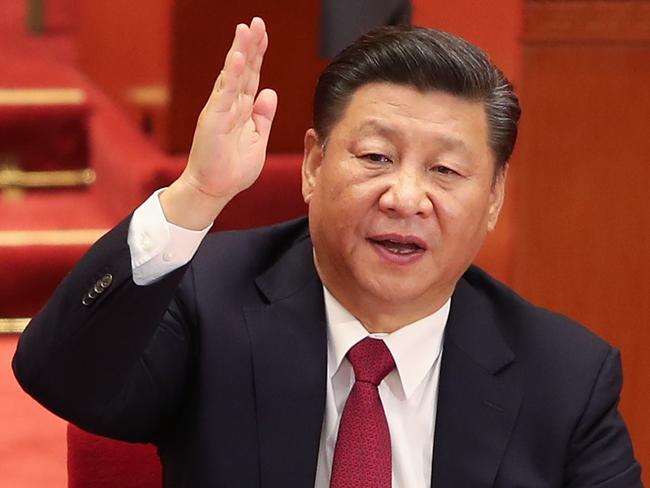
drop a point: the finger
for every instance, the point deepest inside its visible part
(263, 112)
(240, 44)
(257, 30)
(241, 41)
(254, 66)
(219, 82)
(256, 43)
(245, 37)
(226, 90)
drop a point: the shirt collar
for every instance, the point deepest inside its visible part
(415, 347)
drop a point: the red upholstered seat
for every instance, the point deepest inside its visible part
(99, 462)
(46, 137)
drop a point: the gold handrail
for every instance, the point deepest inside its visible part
(41, 96)
(62, 237)
(13, 326)
(12, 177)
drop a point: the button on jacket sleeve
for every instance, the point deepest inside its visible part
(116, 362)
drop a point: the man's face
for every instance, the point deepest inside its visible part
(400, 199)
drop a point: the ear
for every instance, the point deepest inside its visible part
(311, 162)
(497, 196)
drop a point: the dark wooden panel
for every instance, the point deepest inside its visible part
(203, 31)
(158, 59)
(123, 48)
(493, 26)
(587, 21)
(583, 242)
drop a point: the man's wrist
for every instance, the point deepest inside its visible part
(185, 206)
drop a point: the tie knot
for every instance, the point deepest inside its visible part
(371, 360)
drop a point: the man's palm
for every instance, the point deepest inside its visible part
(231, 136)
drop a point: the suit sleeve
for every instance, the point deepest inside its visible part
(600, 454)
(112, 362)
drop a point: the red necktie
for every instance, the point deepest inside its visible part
(362, 457)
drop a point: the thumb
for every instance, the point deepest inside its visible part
(263, 112)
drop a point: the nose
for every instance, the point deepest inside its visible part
(406, 195)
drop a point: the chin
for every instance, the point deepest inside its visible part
(388, 291)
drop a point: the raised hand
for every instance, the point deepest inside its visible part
(229, 146)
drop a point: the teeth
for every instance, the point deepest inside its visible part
(400, 247)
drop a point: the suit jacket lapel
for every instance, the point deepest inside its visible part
(289, 346)
(479, 392)
(479, 395)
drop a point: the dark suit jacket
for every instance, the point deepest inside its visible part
(222, 364)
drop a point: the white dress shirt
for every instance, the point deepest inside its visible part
(158, 247)
(409, 393)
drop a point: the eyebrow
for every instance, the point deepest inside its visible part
(379, 127)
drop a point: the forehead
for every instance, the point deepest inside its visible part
(407, 115)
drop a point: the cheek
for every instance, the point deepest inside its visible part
(350, 193)
(346, 214)
(450, 208)
(462, 212)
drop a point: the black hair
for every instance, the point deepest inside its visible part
(426, 59)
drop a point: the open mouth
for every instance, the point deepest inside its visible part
(399, 245)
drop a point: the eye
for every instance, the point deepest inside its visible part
(444, 170)
(377, 158)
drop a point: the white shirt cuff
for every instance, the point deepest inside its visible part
(157, 246)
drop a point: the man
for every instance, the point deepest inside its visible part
(352, 349)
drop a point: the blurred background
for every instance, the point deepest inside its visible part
(98, 101)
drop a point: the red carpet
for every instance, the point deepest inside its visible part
(43, 232)
(120, 156)
(32, 444)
